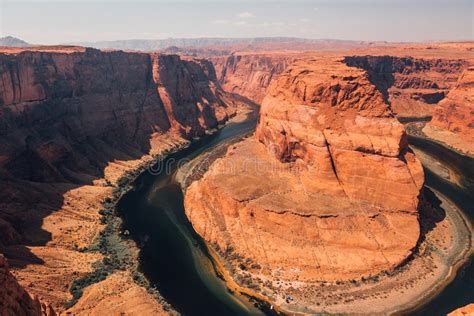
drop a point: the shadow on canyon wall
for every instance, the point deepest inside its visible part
(61, 129)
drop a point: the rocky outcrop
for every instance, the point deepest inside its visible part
(453, 118)
(250, 74)
(463, 311)
(68, 111)
(413, 86)
(70, 117)
(326, 190)
(15, 301)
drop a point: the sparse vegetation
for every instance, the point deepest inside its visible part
(113, 245)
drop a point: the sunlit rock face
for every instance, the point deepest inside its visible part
(250, 74)
(412, 86)
(326, 189)
(453, 118)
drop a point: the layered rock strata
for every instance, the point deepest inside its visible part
(250, 74)
(453, 118)
(14, 299)
(412, 86)
(72, 121)
(327, 189)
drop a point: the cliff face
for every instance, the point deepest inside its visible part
(69, 112)
(314, 112)
(453, 118)
(327, 189)
(250, 74)
(69, 118)
(14, 299)
(413, 86)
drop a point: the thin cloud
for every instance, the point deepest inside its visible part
(271, 24)
(240, 23)
(305, 20)
(220, 22)
(245, 15)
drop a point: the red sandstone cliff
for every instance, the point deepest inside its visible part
(14, 300)
(250, 74)
(93, 99)
(467, 310)
(453, 118)
(69, 117)
(327, 189)
(413, 86)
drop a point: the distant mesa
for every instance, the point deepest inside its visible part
(13, 42)
(258, 43)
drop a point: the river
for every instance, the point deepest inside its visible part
(173, 256)
(458, 187)
(176, 260)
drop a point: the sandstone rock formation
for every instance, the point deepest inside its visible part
(15, 301)
(70, 117)
(413, 86)
(327, 189)
(250, 74)
(467, 310)
(453, 118)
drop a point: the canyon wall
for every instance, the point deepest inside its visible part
(14, 300)
(72, 112)
(413, 86)
(453, 118)
(326, 190)
(250, 74)
(72, 121)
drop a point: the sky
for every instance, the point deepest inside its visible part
(65, 21)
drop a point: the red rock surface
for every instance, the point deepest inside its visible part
(250, 74)
(413, 86)
(453, 118)
(327, 189)
(339, 182)
(14, 299)
(66, 112)
(467, 310)
(68, 118)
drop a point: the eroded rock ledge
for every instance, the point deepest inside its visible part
(326, 190)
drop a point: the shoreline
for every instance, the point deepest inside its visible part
(219, 264)
(113, 239)
(453, 269)
(414, 129)
(458, 255)
(413, 301)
